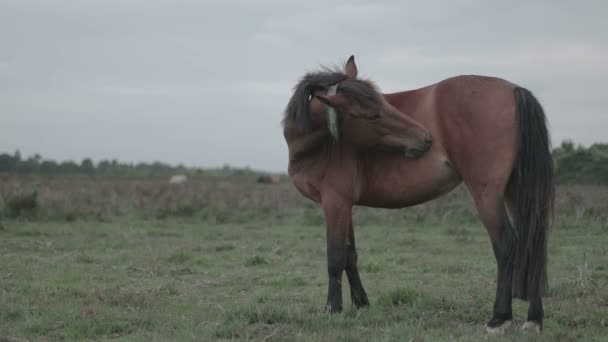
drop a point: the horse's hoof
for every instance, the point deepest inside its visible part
(333, 310)
(499, 329)
(531, 326)
(360, 302)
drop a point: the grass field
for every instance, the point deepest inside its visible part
(429, 272)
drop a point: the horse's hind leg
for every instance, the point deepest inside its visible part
(357, 293)
(503, 244)
(494, 217)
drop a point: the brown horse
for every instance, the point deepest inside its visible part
(350, 145)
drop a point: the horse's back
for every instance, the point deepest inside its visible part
(473, 122)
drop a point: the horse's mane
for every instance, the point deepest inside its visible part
(361, 91)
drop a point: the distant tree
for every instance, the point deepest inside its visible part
(568, 146)
(69, 167)
(87, 166)
(17, 156)
(7, 163)
(49, 167)
(104, 167)
(29, 165)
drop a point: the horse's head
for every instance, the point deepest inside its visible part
(357, 113)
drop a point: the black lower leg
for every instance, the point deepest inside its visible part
(357, 292)
(535, 311)
(336, 262)
(504, 252)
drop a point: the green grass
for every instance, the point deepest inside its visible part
(141, 280)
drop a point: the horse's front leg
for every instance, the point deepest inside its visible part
(338, 216)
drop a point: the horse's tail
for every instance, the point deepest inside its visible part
(534, 194)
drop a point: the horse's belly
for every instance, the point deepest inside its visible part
(403, 183)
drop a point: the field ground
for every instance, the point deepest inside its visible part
(226, 258)
(178, 279)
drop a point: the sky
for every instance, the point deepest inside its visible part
(205, 83)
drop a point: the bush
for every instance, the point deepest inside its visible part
(581, 165)
(22, 204)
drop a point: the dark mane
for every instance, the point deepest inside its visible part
(361, 92)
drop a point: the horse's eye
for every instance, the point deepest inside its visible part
(374, 118)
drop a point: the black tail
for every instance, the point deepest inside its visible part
(534, 191)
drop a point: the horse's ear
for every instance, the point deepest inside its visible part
(351, 68)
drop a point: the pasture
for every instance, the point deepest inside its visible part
(225, 259)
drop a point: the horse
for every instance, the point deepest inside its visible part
(349, 144)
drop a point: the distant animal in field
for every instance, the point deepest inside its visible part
(351, 145)
(268, 179)
(178, 179)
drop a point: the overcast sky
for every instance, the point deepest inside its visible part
(205, 83)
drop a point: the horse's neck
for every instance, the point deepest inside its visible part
(317, 159)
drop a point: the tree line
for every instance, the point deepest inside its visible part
(14, 163)
(581, 165)
(574, 164)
